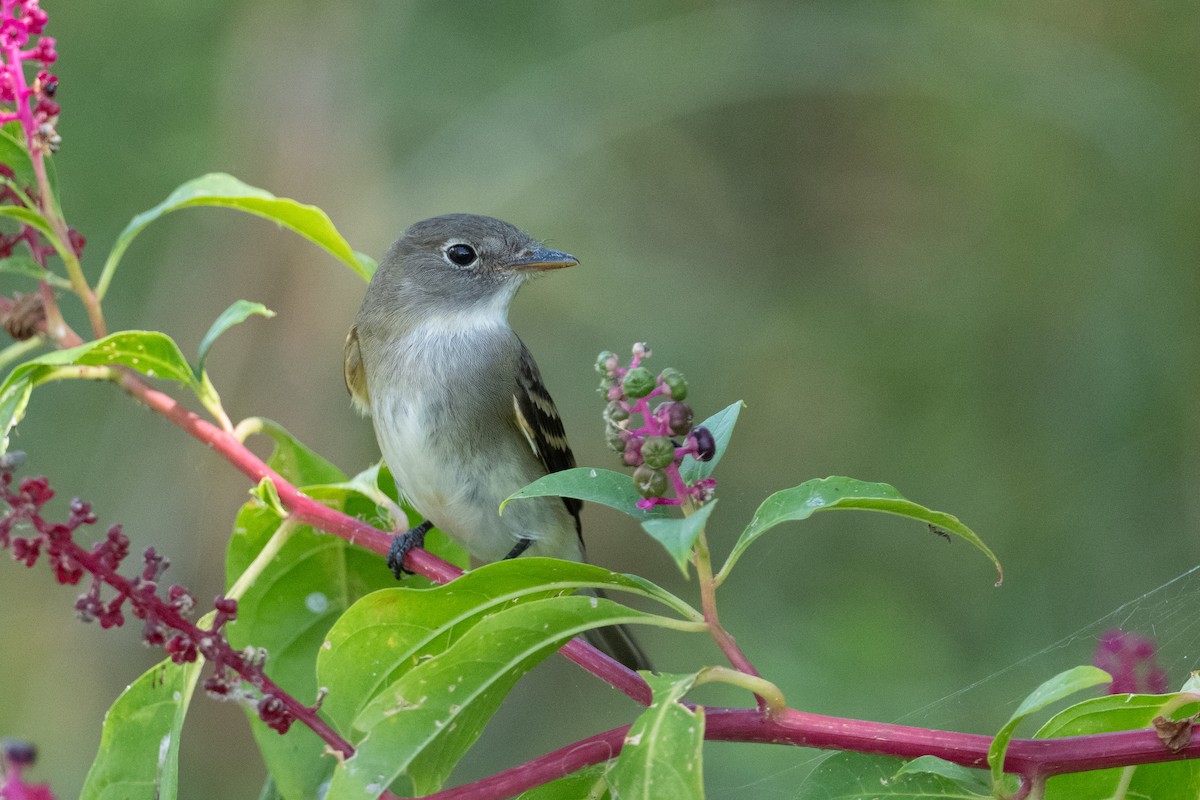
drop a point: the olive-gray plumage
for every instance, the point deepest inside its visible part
(460, 411)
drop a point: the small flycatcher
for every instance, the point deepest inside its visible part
(460, 411)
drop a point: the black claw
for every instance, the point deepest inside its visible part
(402, 543)
(520, 547)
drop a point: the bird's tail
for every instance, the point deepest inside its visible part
(618, 642)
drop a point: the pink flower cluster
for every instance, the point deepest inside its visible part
(34, 105)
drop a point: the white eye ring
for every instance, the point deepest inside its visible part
(460, 254)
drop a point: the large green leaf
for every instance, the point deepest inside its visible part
(290, 605)
(423, 723)
(720, 425)
(385, 634)
(679, 534)
(152, 353)
(307, 584)
(612, 489)
(287, 610)
(1061, 686)
(1170, 780)
(662, 754)
(826, 494)
(225, 191)
(138, 757)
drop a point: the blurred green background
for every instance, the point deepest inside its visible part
(949, 246)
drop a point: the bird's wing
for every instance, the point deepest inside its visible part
(356, 373)
(538, 419)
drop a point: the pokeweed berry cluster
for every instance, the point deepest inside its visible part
(654, 440)
(165, 620)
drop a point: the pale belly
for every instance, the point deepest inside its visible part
(461, 492)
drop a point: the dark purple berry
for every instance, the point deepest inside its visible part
(679, 418)
(18, 752)
(706, 447)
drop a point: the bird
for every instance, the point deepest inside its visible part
(461, 413)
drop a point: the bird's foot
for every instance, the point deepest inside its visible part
(402, 543)
(520, 547)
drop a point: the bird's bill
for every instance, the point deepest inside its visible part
(542, 259)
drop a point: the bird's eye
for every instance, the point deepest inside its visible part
(461, 254)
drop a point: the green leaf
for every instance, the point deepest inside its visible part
(720, 425)
(293, 460)
(240, 311)
(139, 743)
(27, 216)
(1061, 686)
(679, 534)
(612, 489)
(385, 634)
(24, 265)
(267, 494)
(586, 784)
(1120, 712)
(424, 722)
(14, 153)
(221, 190)
(825, 494)
(288, 610)
(856, 776)
(971, 780)
(152, 353)
(662, 754)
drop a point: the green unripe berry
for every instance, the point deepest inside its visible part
(674, 381)
(638, 382)
(658, 452)
(650, 482)
(615, 438)
(615, 412)
(605, 362)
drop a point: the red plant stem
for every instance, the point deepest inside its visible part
(1033, 759)
(313, 513)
